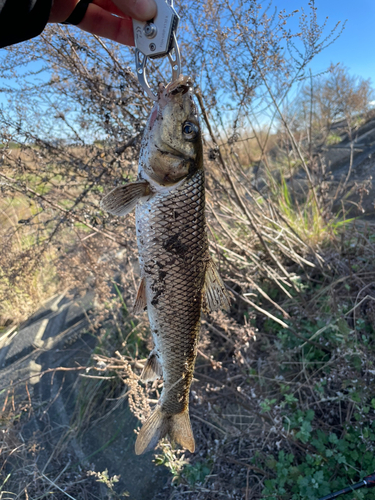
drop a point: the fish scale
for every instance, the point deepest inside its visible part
(166, 247)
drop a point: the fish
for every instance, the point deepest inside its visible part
(179, 279)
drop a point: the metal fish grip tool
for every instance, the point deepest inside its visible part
(155, 39)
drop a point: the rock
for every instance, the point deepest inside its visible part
(56, 337)
(350, 172)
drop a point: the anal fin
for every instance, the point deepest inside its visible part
(152, 369)
(215, 295)
(141, 300)
(122, 200)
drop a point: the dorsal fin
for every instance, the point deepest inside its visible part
(215, 295)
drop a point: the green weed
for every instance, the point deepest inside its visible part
(333, 139)
(197, 472)
(173, 460)
(182, 471)
(310, 476)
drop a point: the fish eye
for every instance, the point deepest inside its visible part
(190, 130)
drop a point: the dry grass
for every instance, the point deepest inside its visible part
(300, 332)
(281, 405)
(302, 307)
(27, 273)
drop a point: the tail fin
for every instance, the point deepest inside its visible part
(159, 425)
(180, 430)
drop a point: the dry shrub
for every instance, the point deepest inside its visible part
(88, 142)
(276, 252)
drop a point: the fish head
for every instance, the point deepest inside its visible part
(172, 142)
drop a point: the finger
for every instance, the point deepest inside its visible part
(62, 9)
(143, 10)
(109, 6)
(102, 23)
(139, 9)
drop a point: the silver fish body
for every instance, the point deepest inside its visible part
(173, 253)
(178, 277)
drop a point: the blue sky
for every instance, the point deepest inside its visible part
(356, 46)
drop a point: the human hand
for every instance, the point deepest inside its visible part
(107, 18)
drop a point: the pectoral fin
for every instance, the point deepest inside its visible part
(152, 369)
(140, 300)
(122, 200)
(215, 296)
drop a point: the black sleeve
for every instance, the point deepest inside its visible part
(22, 19)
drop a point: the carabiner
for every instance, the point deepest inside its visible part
(155, 39)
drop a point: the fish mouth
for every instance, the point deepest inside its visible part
(171, 151)
(180, 86)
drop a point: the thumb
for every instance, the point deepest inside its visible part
(143, 10)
